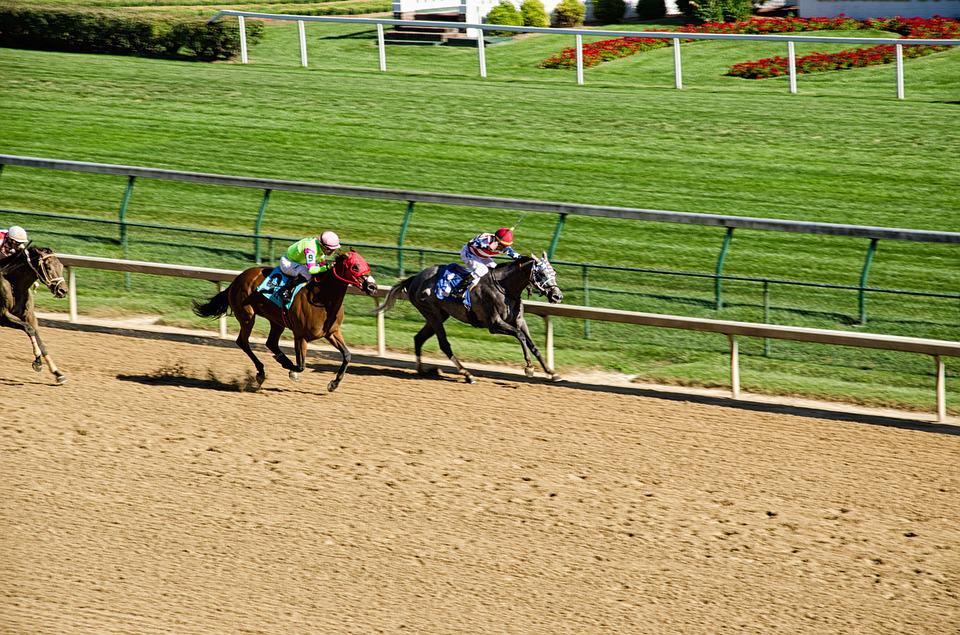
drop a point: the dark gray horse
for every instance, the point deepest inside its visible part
(495, 305)
(17, 275)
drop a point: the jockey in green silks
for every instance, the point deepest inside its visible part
(306, 258)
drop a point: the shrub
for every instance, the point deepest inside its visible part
(609, 11)
(569, 13)
(84, 31)
(533, 13)
(651, 9)
(718, 10)
(504, 13)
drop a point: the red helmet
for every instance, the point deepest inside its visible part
(504, 236)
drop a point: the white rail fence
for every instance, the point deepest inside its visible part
(578, 34)
(938, 349)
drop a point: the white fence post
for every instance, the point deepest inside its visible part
(482, 53)
(548, 341)
(303, 43)
(223, 318)
(792, 57)
(72, 283)
(941, 390)
(734, 366)
(381, 331)
(243, 39)
(579, 59)
(899, 71)
(677, 69)
(381, 48)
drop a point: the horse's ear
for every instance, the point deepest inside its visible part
(544, 252)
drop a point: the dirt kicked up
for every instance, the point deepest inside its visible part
(151, 495)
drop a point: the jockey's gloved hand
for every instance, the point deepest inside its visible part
(314, 269)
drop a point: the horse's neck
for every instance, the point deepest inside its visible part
(17, 271)
(513, 277)
(330, 289)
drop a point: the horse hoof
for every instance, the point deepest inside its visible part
(260, 379)
(555, 377)
(294, 375)
(332, 385)
(61, 379)
(470, 379)
(37, 365)
(528, 371)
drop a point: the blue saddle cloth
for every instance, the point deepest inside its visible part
(271, 285)
(448, 283)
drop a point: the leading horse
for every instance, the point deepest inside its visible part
(18, 273)
(316, 311)
(495, 305)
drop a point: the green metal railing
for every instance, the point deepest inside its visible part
(586, 288)
(562, 210)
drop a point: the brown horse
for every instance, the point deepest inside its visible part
(18, 273)
(317, 311)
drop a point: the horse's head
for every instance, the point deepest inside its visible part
(543, 277)
(48, 268)
(352, 269)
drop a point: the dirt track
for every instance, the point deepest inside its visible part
(148, 495)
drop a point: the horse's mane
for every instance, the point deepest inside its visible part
(501, 271)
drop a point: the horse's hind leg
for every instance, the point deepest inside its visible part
(445, 347)
(336, 339)
(273, 345)
(246, 320)
(418, 340)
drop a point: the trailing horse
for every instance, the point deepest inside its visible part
(316, 311)
(495, 305)
(18, 273)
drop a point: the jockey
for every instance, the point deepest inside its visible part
(478, 255)
(12, 240)
(306, 258)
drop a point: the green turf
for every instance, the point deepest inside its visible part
(842, 150)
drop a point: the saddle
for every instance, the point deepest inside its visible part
(272, 288)
(452, 283)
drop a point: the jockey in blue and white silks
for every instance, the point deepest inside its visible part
(478, 255)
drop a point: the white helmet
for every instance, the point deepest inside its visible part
(18, 234)
(330, 240)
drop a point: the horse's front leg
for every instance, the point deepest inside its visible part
(522, 333)
(29, 327)
(300, 348)
(336, 339)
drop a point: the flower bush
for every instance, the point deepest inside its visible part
(931, 28)
(908, 28)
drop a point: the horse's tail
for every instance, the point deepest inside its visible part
(214, 307)
(391, 299)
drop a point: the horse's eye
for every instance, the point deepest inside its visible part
(356, 268)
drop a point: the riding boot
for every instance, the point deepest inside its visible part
(466, 294)
(286, 291)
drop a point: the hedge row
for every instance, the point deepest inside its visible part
(86, 31)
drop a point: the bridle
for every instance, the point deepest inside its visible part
(41, 269)
(543, 277)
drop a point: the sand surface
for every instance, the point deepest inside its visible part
(150, 495)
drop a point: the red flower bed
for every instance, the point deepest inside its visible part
(606, 50)
(908, 28)
(603, 51)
